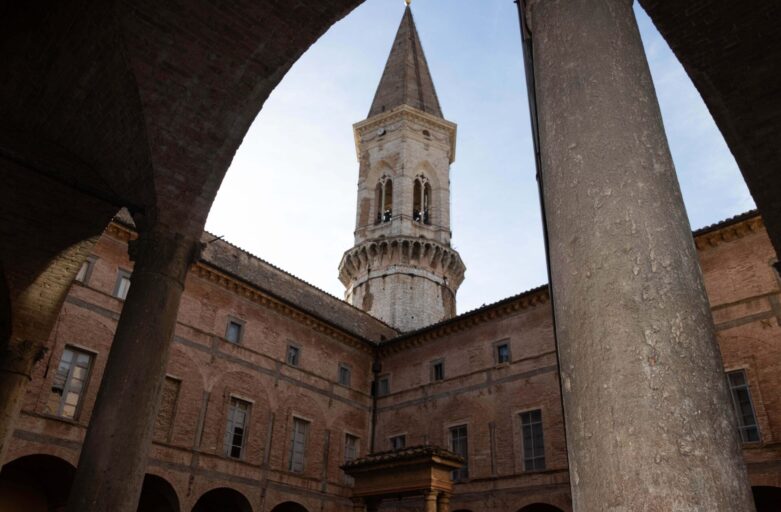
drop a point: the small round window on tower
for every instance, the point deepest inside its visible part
(426, 134)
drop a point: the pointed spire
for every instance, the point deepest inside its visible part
(406, 79)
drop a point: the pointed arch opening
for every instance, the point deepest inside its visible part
(421, 200)
(384, 200)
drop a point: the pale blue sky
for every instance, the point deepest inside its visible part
(289, 196)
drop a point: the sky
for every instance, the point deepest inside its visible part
(289, 196)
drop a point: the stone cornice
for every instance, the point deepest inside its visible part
(729, 230)
(406, 112)
(206, 271)
(491, 312)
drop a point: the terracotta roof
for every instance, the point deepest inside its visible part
(285, 286)
(726, 222)
(406, 79)
(413, 452)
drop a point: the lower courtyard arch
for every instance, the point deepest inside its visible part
(540, 507)
(767, 498)
(289, 506)
(222, 499)
(36, 483)
(157, 495)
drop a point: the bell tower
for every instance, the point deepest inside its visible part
(402, 269)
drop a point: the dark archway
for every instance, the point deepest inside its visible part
(36, 483)
(766, 498)
(157, 495)
(289, 506)
(222, 499)
(540, 507)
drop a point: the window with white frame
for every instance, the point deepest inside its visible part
(69, 383)
(744, 407)
(533, 443)
(85, 271)
(293, 355)
(383, 385)
(398, 442)
(459, 444)
(345, 375)
(298, 440)
(122, 285)
(502, 352)
(234, 330)
(236, 427)
(438, 370)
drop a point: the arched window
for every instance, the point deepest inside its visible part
(384, 200)
(421, 200)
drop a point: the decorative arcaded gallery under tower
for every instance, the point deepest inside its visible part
(149, 366)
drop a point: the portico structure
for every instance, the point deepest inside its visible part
(415, 471)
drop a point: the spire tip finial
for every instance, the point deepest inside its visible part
(407, 2)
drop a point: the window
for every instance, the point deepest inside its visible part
(398, 442)
(533, 445)
(421, 200)
(744, 408)
(167, 409)
(293, 355)
(236, 428)
(350, 447)
(438, 370)
(383, 386)
(345, 375)
(69, 384)
(459, 445)
(234, 330)
(384, 200)
(298, 445)
(123, 284)
(85, 271)
(502, 352)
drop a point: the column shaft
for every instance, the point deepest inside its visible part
(443, 503)
(649, 426)
(114, 454)
(430, 501)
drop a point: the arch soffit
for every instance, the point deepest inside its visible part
(171, 487)
(219, 486)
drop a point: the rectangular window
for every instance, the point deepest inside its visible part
(69, 384)
(350, 447)
(459, 445)
(123, 284)
(167, 409)
(744, 408)
(398, 442)
(438, 370)
(383, 386)
(293, 355)
(236, 428)
(298, 445)
(345, 375)
(533, 445)
(234, 330)
(502, 353)
(85, 271)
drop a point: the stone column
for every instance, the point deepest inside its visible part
(430, 501)
(443, 504)
(649, 425)
(114, 455)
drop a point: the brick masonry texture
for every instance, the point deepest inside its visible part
(476, 391)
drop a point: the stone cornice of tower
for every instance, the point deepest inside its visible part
(421, 253)
(405, 112)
